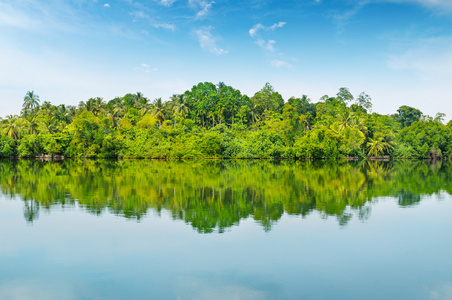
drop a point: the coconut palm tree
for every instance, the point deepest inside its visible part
(180, 107)
(345, 119)
(381, 144)
(114, 115)
(141, 101)
(46, 108)
(31, 123)
(159, 110)
(31, 102)
(12, 127)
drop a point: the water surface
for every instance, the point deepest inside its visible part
(225, 230)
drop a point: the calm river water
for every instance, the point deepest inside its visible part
(225, 230)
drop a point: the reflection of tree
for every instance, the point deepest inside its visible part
(31, 210)
(215, 195)
(407, 198)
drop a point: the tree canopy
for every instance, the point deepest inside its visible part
(218, 121)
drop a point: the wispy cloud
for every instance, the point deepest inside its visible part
(168, 26)
(277, 63)
(439, 5)
(428, 58)
(146, 68)
(342, 18)
(137, 15)
(265, 44)
(208, 41)
(204, 7)
(254, 30)
(106, 5)
(11, 17)
(166, 3)
(268, 45)
(277, 25)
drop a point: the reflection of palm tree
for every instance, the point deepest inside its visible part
(31, 211)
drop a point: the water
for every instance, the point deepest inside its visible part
(225, 230)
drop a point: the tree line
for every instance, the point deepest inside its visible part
(218, 121)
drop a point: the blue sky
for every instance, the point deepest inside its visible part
(397, 51)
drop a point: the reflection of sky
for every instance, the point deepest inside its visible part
(395, 254)
(398, 51)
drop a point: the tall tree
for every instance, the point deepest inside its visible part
(31, 102)
(407, 115)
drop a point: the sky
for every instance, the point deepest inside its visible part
(397, 51)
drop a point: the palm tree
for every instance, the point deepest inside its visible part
(180, 107)
(345, 120)
(31, 102)
(114, 115)
(255, 116)
(306, 119)
(46, 108)
(380, 144)
(98, 105)
(159, 110)
(62, 113)
(141, 102)
(32, 124)
(12, 127)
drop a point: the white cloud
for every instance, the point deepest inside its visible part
(106, 5)
(254, 30)
(280, 64)
(146, 68)
(267, 45)
(277, 25)
(166, 3)
(142, 15)
(203, 5)
(433, 4)
(171, 27)
(208, 41)
(139, 15)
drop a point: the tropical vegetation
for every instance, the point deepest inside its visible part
(218, 121)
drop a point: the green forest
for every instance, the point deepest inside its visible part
(218, 121)
(214, 195)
